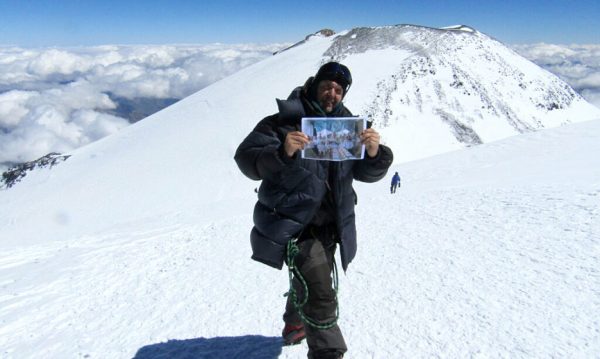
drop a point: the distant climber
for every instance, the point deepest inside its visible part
(395, 182)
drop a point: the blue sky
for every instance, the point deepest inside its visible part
(82, 23)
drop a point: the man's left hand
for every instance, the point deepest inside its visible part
(370, 138)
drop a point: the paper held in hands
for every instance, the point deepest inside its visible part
(333, 138)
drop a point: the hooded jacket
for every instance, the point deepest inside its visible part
(292, 189)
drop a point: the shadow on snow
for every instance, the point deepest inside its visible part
(244, 347)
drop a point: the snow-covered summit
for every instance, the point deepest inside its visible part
(459, 28)
(432, 90)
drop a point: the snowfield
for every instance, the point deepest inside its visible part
(483, 252)
(138, 245)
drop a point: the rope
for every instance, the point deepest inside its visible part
(292, 251)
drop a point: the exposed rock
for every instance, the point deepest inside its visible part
(322, 32)
(16, 173)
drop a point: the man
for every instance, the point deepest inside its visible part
(395, 182)
(308, 200)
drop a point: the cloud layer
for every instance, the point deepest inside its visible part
(578, 65)
(58, 99)
(55, 100)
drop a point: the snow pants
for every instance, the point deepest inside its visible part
(315, 263)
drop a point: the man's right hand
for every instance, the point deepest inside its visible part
(294, 141)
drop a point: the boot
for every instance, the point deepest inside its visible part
(293, 334)
(327, 354)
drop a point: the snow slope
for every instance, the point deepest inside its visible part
(482, 252)
(137, 245)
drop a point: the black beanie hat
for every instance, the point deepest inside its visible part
(334, 71)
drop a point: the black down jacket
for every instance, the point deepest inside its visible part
(292, 188)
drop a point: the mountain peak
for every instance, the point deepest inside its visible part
(459, 28)
(426, 80)
(322, 32)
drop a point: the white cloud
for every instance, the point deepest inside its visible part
(55, 120)
(578, 65)
(13, 108)
(592, 97)
(55, 100)
(55, 61)
(590, 81)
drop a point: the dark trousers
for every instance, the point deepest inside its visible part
(315, 263)
(393, 187)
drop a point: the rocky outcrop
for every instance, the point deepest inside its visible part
(15, 174)
(322, 32)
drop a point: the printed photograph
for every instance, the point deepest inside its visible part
(333, 139)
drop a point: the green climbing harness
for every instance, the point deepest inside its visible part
(292, 251)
